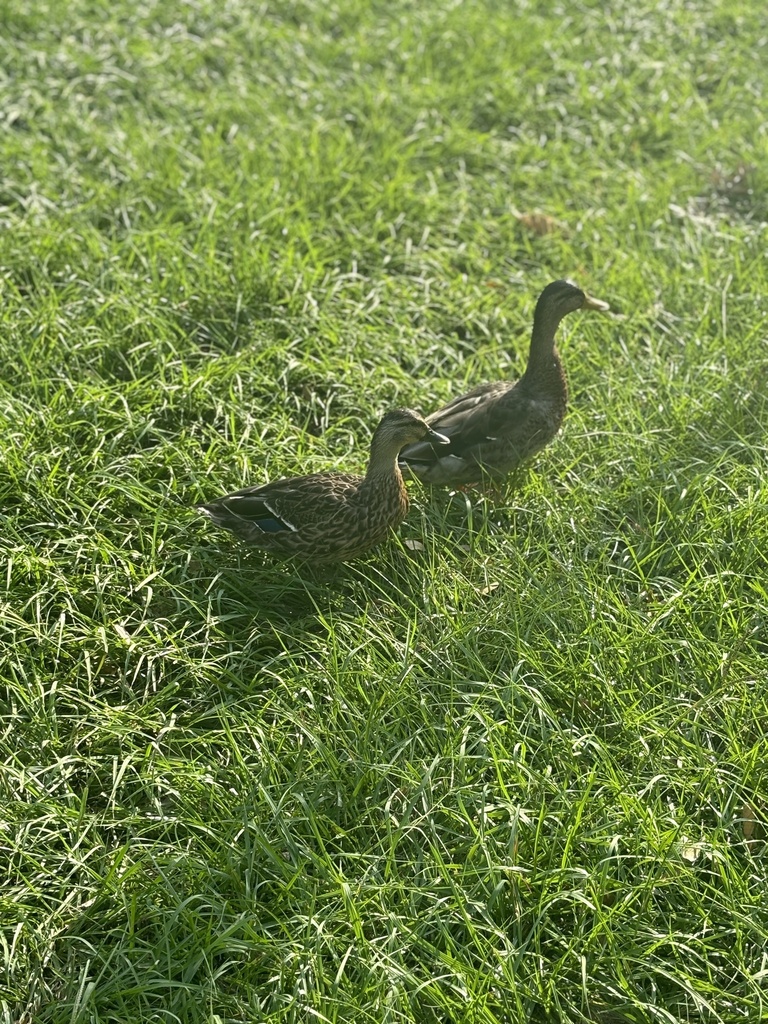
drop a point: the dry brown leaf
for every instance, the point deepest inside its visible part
(542, 224)
(412, 546)
(690, 853)
(748, 820)
(752, 827)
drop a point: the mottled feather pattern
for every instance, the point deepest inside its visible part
(340, 516)
(327, 517)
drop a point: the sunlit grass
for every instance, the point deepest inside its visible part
(513, 770)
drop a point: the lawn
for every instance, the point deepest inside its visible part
(512, 766)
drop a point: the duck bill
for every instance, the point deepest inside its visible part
(592, 303)
(432, 435)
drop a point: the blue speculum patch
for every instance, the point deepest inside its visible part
(271, 525)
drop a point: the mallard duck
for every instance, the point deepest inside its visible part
(494, 427)
(328, 517)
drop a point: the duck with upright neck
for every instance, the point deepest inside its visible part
(495, 427)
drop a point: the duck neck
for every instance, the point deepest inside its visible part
(543, 357)
(383, 463)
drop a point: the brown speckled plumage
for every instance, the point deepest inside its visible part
(495, 427)
(327, 517)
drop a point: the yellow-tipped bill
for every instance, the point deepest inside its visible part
(590, 303)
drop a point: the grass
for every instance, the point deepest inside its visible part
(518, 777)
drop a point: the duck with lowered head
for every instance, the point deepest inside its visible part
(328, 517)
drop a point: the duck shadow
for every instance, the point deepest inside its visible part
(221, 594)
(215, 589)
